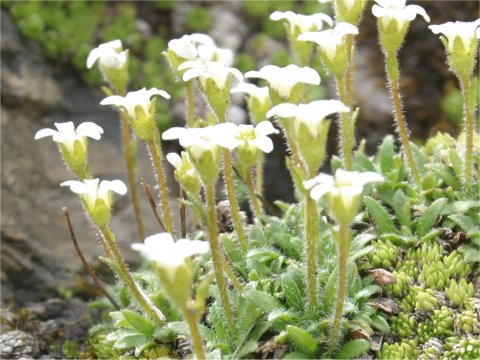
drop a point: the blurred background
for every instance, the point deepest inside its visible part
(44, 45)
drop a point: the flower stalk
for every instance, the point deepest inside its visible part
(124, 274)
(469, 110)
(312, 238)
(129, 156)
(393, 75)
(255, 202)
(192, 321)
(342, 237)
(217, 255)
(156, 153)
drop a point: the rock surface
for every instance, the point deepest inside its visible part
(37, 254)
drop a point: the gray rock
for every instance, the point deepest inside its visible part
(37, 253)
(18, 345)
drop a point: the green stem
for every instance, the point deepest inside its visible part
(231, 275)
(259, 175)
(124, 274)
(257, 208)
(343, 247)
(311, 234)
(345, 126)
(194, 333)
(190, 103)
(217, 255)
(465, 85)
(130, 164)
(237, 222)
(393, 78)
(156, 153)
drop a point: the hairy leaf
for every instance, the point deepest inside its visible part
(428, 218)
(353, 349)
(380, 215)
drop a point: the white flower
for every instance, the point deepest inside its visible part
(344, 191)
(109, 55)
(200, 47)
(259, 93)
(67, 135)
(311, 114)
(214, 70)
(256, 136)
(91, 190)
(302, 22)
(186, 46)
(206, 139)
(135, 99)
(330, 39)
(466, 31)
(388, 10)
(282, 80)
(168, 254)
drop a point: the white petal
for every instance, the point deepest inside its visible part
(93, 57)
(285, 110)
(192, 74)
(90, 129)
(174, 159)
(265, 128)
(44, 133)
(77, 187)
(118, 186)
(263, 143)
(187, 248)
(164, 239)
(318, 191)
(174, 133)
(115, 100)
(322, 179)
(155, 91)
(369, 177)
(378, 11)
(418, 10)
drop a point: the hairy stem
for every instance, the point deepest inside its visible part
(393, 78)
(343, 245)
(347, 140)
(194, 333)
(465, 85)
(217, 255)
(129, 156)
(190, 103)
(84, 261)
(232, 199)
(156, 152)
(256, 206)
(124, 274)
(311, 234)
(259, 176)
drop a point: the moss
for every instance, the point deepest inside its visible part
(198, 19)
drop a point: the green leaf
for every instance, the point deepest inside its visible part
(445, 173)
(457, 165)
(130, 341)
(459, 207)
(464, 222)
(139, 323)
(363, 163)
(302, 340)
(295, 356)
(265, 302)
(428, 218)
(293, 295)
(281, 314)
(386, 154)
(367, 292)
(353, 349)
(251, 346)
(380, 215)
(330, 290)
(401, 206)
(380, 323)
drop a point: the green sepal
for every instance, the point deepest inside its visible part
(203, 291)
(298, 175)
